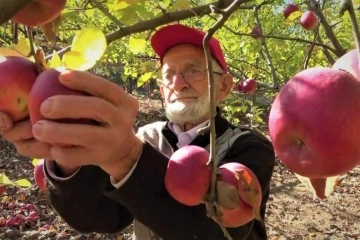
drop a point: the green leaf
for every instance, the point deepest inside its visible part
(137, 45)
(144, 78)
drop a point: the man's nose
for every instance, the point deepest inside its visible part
(179, 81)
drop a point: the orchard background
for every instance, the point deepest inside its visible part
(283, 49)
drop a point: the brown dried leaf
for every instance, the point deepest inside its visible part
(51, 29)
(228, 196)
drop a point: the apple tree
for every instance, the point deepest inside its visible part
(259, 42)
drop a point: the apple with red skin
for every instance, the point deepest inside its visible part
(255, 32)
(247, 86)
(309, 20)
(239, 195)
(47, 85)
(187, 177)
(349, 62)
(39, 175)
(314, 123)
(290, 8)
(17, 75)
(39, 12)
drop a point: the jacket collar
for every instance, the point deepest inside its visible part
(202, 140)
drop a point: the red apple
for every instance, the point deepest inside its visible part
(17, 75)
(255, 32)
(187, 178)
(2, 189)
(239, 195)
(46, 85)
(290, 8)
(349, 62)
(39, 175)
(309, 20)
(314, 123)
(247, 86)
(39, 12)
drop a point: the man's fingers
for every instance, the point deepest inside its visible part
(21, 131)
(33, 149)
(94, 85)
(72, 134)
(5, 122)
(76, 107)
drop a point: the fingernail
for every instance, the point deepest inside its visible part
(46, 106)
(37, 129)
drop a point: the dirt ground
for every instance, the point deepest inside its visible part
(292, 213)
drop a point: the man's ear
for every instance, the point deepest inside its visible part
(225, 86)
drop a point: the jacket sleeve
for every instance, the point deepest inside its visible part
(80, 201)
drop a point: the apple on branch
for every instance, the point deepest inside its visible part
(248, 86)
(238, 195)
(187, 177)
(39, 12)
(314, 124)
(292, 12)
(309, 20)
(255, 32)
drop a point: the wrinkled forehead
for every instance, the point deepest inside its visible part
(183, 53)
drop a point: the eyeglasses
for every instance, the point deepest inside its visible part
(189, 74)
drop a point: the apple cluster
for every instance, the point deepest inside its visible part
(308, 19)
(24, 88)
(188, 180)
(314, 122)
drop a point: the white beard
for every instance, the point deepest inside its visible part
(182, 112)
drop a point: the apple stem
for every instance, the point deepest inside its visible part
(224, 15)
(347, 5)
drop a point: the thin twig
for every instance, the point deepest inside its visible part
(225, 14)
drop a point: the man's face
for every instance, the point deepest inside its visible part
(185, 85)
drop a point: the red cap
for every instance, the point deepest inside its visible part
(174, 34)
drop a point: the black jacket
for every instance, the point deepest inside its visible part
(89, 203)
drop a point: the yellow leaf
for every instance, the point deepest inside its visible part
(55, 61)
(137, 45)
(6, 51)
(90, 42)
(76, 60)
(23, 46)
(35, 161)
(4, 179)
(293, 16)
(22, 183)
(181, 5)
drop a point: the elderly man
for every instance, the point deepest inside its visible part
(106, 177)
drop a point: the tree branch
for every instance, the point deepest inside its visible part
(106, 12)
(212, 200)
(314, 6)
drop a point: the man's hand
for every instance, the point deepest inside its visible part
(111, 145)
(20, 135)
